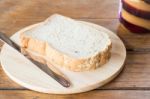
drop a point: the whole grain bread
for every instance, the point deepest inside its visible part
(68, 43)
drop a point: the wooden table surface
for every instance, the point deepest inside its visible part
(134, 80)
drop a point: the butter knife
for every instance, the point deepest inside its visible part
(60, 79)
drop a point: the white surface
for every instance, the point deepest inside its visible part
(19, 69)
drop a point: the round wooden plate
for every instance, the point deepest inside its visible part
(23, 72)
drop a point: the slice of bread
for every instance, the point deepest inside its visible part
(68, 43)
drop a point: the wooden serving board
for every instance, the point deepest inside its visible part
(23, 72)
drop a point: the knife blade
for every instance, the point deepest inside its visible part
(60, 79)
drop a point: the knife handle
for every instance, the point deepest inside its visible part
(59, 78)
(4, 38)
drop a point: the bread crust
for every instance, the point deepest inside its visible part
(57, 58)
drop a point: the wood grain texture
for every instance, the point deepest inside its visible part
(133, 76)
(135, 73)
(73, 8)
(102, 94)
(16, 14)
(29, 75)
(7, 83)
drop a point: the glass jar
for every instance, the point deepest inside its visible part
(135, 15)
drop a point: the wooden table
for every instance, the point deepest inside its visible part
(134, 80)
